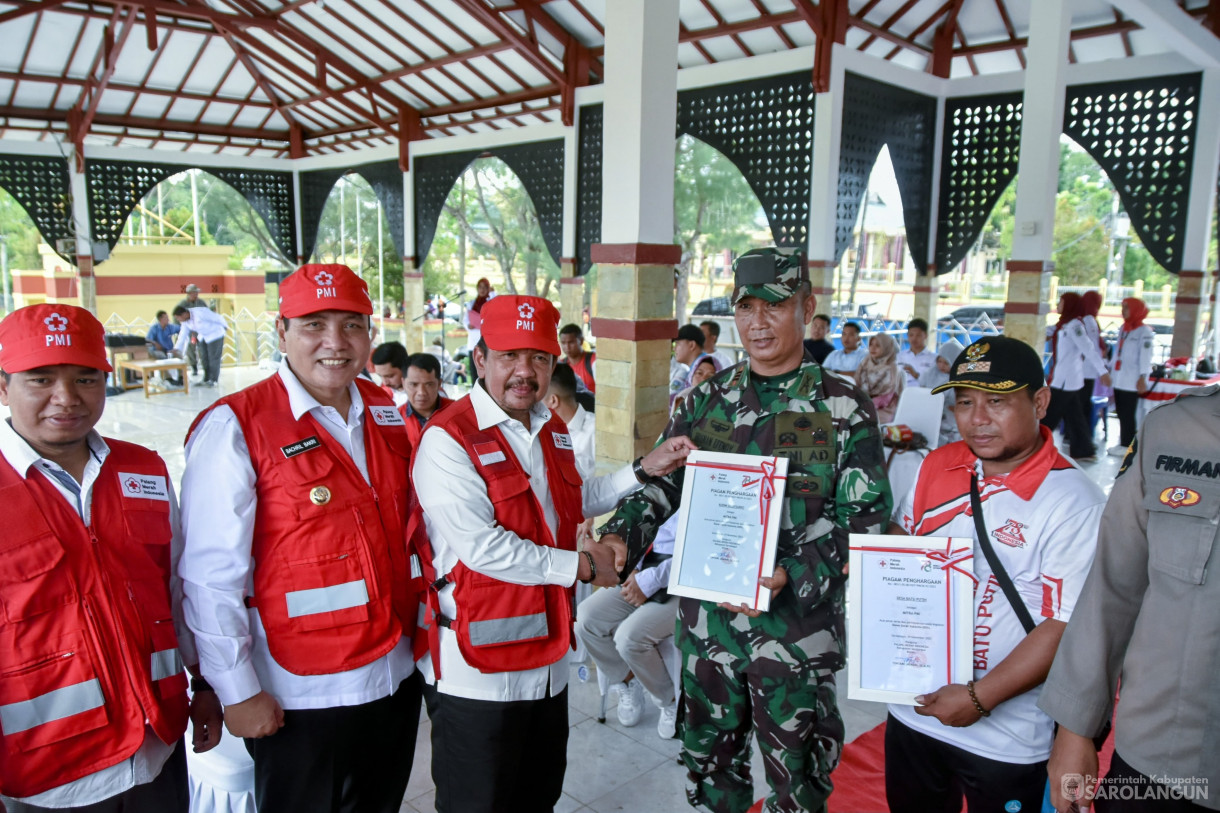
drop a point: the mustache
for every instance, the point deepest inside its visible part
(512, 383)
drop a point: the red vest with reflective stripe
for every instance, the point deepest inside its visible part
(503, 627)
(330, 573)
(87, 630)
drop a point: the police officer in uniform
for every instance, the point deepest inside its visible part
(93, 699)
(297, 587)
(772, 672)
(1149, 615)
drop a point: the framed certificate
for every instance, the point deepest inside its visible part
(728, 525)
(910, 610)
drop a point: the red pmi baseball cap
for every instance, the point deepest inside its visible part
(515, 322)
(46, 335)
(323, 287)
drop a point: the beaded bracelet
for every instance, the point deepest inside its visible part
(975, 699)
(592, 566)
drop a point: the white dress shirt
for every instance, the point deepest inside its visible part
(145, 764)
(219, 497)
(461, 526)
(581, 428)
(922, 361)
(209, 325)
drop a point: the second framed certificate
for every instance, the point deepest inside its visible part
(728, 525)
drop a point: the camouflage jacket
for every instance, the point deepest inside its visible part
(837, 485)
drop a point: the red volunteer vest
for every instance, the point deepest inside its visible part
(584, 371)
(87, 632)
(414, 430)
(330, 574)
(503, 627)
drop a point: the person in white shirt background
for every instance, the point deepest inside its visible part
(938, 374)
(210, 328)
(1130, 368)
(500, 729)
(390, 364)
(305, 472)
(711, 335)
(561, 400)
(916, 359)
(1072, 354)
(845, 360)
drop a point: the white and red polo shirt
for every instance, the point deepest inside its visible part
(1042, 519)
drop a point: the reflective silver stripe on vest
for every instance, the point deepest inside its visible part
(52, 706)
(327, 599)
(508, 630)
(166, 663)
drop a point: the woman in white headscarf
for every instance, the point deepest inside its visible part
(880, 377)
(938, 374)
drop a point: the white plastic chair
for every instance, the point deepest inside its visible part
(221, 780)
(919, 409)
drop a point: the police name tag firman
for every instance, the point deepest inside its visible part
(728, 527)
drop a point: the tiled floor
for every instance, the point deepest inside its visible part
(610, 768)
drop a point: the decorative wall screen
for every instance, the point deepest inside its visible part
(588, 186)
(116, 187)
(41, 186)
(1142, 133)
(765, 127)
(538, 164)
(384, 176)
(979, 154)
(876, 114)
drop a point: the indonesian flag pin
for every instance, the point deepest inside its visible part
(319, 495)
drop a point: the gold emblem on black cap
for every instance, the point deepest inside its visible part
(976, 351)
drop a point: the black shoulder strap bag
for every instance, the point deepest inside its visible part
(1010, 589)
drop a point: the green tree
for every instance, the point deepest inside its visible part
(20, 234)
(714, 209)
(347, 232)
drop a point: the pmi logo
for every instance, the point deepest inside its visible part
(57, 325)
(325, 281)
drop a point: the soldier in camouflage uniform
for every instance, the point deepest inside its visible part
(772, 672)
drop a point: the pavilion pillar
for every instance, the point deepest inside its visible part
(86, 280)
(1194, 283)
(824, 186)
(571, 293)
(634, 323)
(413, 295)
(1038, 168)
(926, 299)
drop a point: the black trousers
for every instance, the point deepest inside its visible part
(925, 775)
(1126, 790)
(493, 757)
(1126, 404)
(168, 793)
(347, 759)
(1065, 406)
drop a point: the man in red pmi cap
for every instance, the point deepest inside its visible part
(93, 699)
(305, 474)
(497, 481)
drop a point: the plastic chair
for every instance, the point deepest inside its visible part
(673, 663)
(221, 780)
(919, 409)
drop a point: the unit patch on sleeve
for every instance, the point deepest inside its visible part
(143, 486)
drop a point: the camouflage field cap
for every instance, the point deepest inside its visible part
(769, 274)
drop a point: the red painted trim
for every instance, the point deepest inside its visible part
(1187, 300)
(923, 289)
(84, 265)
(571, 280)
(821, 264)
(632, 331)
(567, 260)
(65, 288)
(412, 275)
(174, 286)
(636, 254)
(29, 284)
(823, 291)
(1029, 266)
(1034, 308)
(1191, 274)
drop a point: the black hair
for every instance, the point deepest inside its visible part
(823, 317)
(179, 310)
(391, 353)
(563, 383)
(571, 330)
(712, 328)
(160, 314)
(853, 325)
(922, 324)
(424, 361)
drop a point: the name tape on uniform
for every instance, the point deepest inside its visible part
(386, 416)
(562, 440)
(307, 445)
(143, 486)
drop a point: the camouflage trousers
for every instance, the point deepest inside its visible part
(795, 720)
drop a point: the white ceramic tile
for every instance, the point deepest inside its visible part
(601, 759)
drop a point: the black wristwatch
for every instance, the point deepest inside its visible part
(198, 685)
(638, 468)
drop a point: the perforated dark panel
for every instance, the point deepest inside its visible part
(876, 114)
(115, 187)
(42, 188)
(765, 127)
(538, 164)
(386, 179)
(384, 176)
(315, 189)
(979, 153)
(588, 186)
(1142, 133)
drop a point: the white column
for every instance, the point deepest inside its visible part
(83, 226)
(640, 119)
(296, 213)
(571, 173)
(824, 184)
(1038, 169)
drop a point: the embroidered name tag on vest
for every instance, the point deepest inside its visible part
(562, 440)
(307, 445)
(386, 416)
(489, 453)
(143, 486)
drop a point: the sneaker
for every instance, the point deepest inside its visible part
(1117, 451)
(667, 725)
(630, 703)
(1088, 458)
